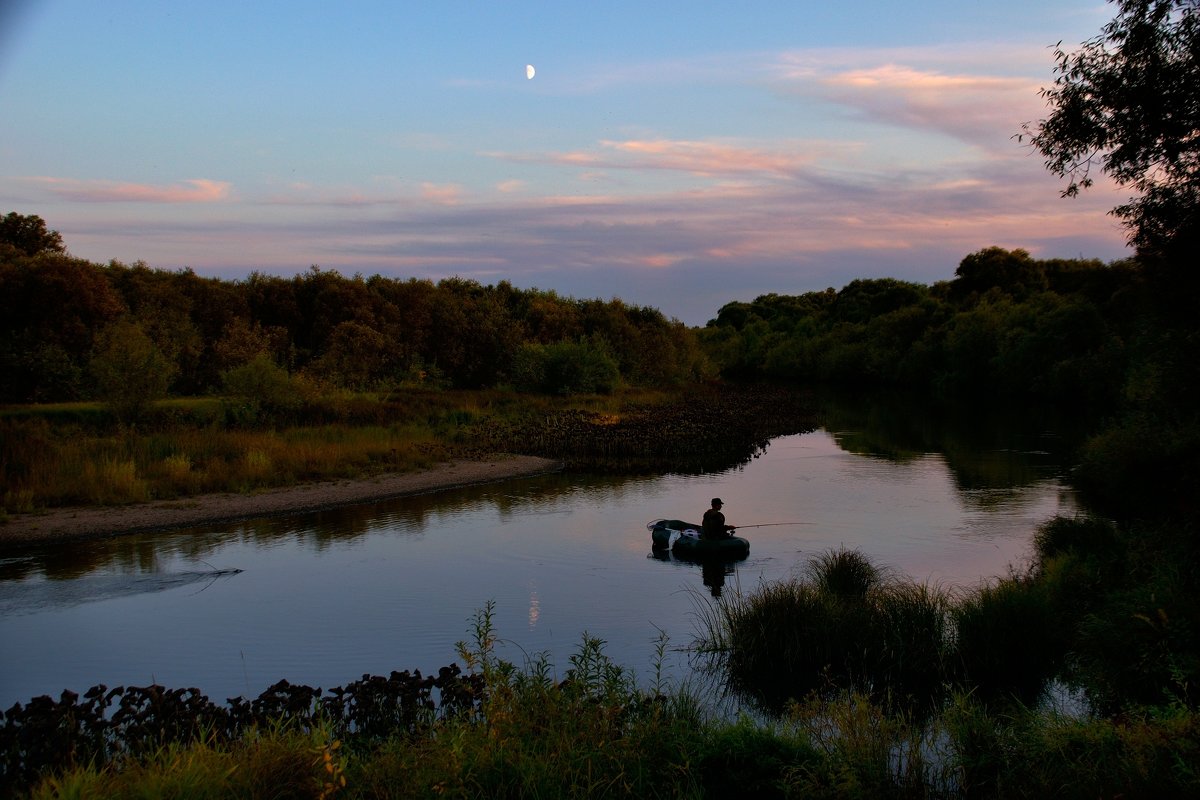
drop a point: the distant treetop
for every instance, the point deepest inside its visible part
(28, 233)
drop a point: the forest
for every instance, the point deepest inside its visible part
(70, 327)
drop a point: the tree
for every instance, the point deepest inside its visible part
(1129, 101)
(129, 369)
(29, 235)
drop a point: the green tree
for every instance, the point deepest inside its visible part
(1129, 101)
(129, 369)
(29, 235)
(260, 391)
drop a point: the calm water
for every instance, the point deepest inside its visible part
(324, 598)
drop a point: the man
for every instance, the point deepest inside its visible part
(714, 526)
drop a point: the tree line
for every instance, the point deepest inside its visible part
(73, 329)
(1006, 325)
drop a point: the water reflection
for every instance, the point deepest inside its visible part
(992, 453)
(713, 571)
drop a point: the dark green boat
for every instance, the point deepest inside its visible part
(683, 539)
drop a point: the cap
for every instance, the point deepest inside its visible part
(716, 501)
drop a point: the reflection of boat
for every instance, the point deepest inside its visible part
(683, 540)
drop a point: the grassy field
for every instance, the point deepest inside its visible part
(76, 454)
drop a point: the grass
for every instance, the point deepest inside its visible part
(592, 733)
(75, 454)
(846, 625)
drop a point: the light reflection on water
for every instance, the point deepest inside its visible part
(327, 597)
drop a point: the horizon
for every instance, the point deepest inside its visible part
(684, 160)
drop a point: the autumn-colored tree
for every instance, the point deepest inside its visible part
(28, 234)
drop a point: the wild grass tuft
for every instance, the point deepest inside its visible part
(845, 574)
(1006, 643)
(842, 628)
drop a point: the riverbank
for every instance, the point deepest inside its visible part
(87, 522)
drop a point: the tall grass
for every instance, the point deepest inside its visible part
(593, 733)
(846, 625)
(1007, 643)
(53, 457)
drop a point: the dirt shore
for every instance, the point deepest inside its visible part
(66, 524)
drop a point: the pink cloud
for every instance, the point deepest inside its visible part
(705, 158)
(447, 194)
(198, 190)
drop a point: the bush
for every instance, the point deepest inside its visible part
(260, 391)
(130, 371)
(578, 367)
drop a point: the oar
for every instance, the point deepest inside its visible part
(772, 524)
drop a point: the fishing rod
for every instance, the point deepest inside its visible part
(772, 524)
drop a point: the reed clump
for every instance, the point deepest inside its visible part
(849, 625)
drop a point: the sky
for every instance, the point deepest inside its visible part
(679, 155)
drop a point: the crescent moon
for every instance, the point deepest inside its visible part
(530, 71)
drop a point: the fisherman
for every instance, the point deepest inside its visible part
(714, 526)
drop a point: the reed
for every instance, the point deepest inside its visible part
(594, 734)
(1006, 643)
(844, 574)
(76, 454)
(840, 627)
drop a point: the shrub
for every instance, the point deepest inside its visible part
(261, 391)
(129, 370)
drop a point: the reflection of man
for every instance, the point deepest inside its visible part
(713, 574)
(714, 526)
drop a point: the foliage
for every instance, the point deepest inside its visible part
(1007, 326)
(260, 391)
(353, 333)
(1129, 101)
(504, 731)
(129, 370)
(28, 234)
(565, 368)
(105, 726)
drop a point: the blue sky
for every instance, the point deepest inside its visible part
(677, 155)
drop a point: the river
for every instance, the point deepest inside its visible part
(322, 599)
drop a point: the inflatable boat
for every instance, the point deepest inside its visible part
(683, 539)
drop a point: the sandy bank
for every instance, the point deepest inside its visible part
(66, 524)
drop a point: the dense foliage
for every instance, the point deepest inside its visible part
(1007, 325)
(64, 323)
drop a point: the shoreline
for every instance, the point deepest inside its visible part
(58, 525)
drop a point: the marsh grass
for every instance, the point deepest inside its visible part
(848, 625)
(1006, 641)
(593, 733)
(844, 574)
(842, 626)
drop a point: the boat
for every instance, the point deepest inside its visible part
(683, 540)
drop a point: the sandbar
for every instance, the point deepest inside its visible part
(86, 522)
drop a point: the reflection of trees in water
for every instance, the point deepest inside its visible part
(412, 515)
(989, 452)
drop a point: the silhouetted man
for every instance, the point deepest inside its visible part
(714, 526)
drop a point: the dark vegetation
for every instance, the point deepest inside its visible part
(71, 329)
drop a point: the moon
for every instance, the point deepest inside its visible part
(530, 71)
